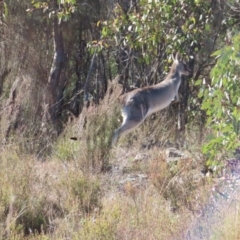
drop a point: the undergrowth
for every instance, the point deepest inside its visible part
(94, 130)
(74, 192)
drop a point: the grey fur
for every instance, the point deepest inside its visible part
(142, 102)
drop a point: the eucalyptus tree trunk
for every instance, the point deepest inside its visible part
(56, 80)
(92, 69)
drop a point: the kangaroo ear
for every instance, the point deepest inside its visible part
(172, 57)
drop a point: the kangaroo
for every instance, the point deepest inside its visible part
(142, 102)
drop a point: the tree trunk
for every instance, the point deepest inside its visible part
(92, 69)
(56, 82)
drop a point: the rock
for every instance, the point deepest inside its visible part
(134, 178)
(141, 157)
(173, 155)
(173, 152)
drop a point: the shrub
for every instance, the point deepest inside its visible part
(221, 102)
(96, 126)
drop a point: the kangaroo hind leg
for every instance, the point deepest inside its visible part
(131, 120)
(126, 127)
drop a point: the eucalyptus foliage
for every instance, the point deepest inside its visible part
(63, 8)
(222, 102)
(159, 26)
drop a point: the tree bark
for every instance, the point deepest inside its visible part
(92, 69)
(56, 82)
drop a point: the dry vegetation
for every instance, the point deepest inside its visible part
(87, 190)
(56, 188)
(229, 227)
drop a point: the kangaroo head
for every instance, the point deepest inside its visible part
(180, 66)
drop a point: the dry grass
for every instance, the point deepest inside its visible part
(94, 129)
(137, 214)
(56, 200)
(230, 222)
(34, 195)
(87, 190)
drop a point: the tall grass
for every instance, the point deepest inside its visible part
(94, 130)
(75, 192)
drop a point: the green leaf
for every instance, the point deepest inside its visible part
(200, 94)
(217, 53)
(207, 27)
(198, 82)
(5, 10)
(37, 5)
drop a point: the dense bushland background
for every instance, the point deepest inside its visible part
(63, 65)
